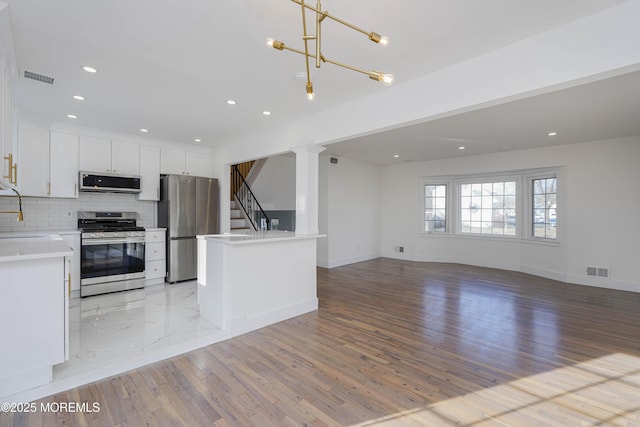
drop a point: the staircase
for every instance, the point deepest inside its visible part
(239, 223)
(246, 213)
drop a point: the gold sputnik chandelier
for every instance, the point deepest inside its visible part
(320, 15)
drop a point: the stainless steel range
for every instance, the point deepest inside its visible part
(112, 252)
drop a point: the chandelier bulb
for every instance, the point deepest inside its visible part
(384, 41)
(269, 42)
(310, 94)
(387, 79)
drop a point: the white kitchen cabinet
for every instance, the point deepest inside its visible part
(155, 256)
(104, 155)
(33, 170)
(181, 162)
(172, 161)
(125, 158)
(63, 171)
(33, 311)
(7, 150)
(72, 238)
(94, 154)
(197, 163)
(149, 173)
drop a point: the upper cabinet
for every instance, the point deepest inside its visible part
(180, 162)
(8, 164)
(149, 173)
(104, 155)
(63, 165)
(33, 152)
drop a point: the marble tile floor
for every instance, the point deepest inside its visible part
(113, 333)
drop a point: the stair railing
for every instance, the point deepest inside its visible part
(250, 205)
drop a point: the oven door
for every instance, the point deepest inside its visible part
(110, 260)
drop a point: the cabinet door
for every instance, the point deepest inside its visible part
(172, 161)
(197, 164)
(6, 149)
(149, 173)
(64, 165)
(95, 154)
(125, 158)
(33, 170)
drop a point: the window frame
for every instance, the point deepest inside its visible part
(447, 221)
(523, 205)
(529, 208)
(485, 179)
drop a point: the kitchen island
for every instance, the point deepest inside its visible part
(34, 300)
(248, 281)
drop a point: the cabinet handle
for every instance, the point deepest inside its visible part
(48, 188)
(69, 284)
(13, 170)
(75, 189)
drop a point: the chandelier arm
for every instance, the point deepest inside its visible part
(328, 15)
(324, 59)
(306, 40)
(318, 34)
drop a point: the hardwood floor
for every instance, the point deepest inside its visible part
(397, 343)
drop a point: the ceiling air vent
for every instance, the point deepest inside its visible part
(39, 77)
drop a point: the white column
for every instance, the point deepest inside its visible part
(307, 188)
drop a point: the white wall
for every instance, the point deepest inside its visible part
(349, 212)
(275, 185)
(600, 184)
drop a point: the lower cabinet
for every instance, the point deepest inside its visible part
(155, 256)
(72, 238)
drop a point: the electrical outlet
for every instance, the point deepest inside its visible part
(400, 249)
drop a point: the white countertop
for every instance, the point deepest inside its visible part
(35, 247)
(258, 237)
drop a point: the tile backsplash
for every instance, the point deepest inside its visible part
(43, 214)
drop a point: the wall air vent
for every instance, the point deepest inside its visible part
(39, 77)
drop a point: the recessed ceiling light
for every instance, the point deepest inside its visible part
(231, 102)
(72, 116)
(144, 130)
(266, 113)
(462, 147)
(197, 140)
(79, 97)
(396, 155)
(552, 133)
(90, 69)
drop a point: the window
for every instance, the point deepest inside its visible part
(488, 208)
(435, 208)
(511, 205)
(544, 203)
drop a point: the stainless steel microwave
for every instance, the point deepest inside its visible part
(109, 183)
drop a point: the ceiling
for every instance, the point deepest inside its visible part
(170, 67)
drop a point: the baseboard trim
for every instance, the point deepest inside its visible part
(243, 324)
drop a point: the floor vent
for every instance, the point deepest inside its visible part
(603, 272)
(38, 77)
(592, 271)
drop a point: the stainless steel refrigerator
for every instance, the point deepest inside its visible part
(188, 207)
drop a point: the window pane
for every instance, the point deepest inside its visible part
(465, 190)
(539, 202)
(435, 203)
(490, 209)
(544, 208)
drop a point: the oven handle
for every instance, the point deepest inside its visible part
(109, 241)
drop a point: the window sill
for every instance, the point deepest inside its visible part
(509, 239)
